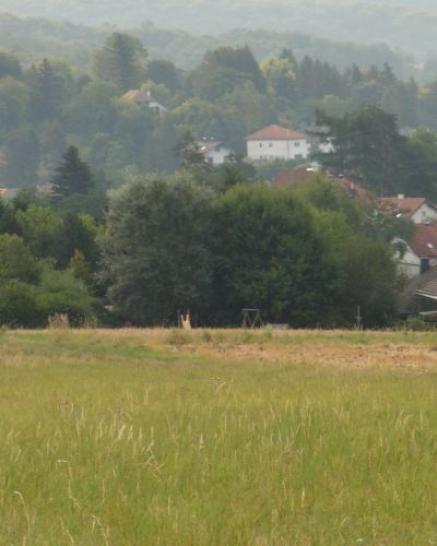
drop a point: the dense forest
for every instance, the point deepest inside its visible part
(401, 23)
(48, 105)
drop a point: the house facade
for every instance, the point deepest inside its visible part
(276, 142)
(417, 256)
(215, 152)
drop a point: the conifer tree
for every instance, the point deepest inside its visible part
(47, 92)
(72, 176)
(121, 61)
(188, 151)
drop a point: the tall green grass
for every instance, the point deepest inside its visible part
(118, 441)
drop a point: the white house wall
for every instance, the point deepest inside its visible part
(265, 150)
(218, 157)
(424, 214)
(408, 262)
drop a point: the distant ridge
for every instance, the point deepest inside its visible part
(400, 23)
(32, 38)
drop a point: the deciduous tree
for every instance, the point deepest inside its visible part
(156, 249)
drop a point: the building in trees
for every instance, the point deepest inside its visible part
(275, 142)
(215, 152)
(419, 254)
(416, 209)
(143, 98)
(293, 177)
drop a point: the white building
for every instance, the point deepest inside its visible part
(326, 146)
(416, 209)
(214, 152)
(275, 142)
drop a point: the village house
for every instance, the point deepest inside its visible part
(418, 255)
(416, 209)
(296, 176)
(419, 297)
(142, 98)
(215, 152)
(305, 172)
(275, 142)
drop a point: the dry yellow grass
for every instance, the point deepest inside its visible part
(326, 348)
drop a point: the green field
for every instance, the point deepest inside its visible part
(214, 438)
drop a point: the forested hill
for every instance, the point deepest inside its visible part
(400, 23)
(31, 39)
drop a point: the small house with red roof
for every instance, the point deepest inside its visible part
(276, 142)
(305, 172)
(296, 176)
(420, 253)
(143, 98)
(416, 209)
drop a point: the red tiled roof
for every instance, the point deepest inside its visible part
(424, 240)
(293, 176)
(276, 132)
(135, 95)
(406, 205)
(300, 174)
(352, 188)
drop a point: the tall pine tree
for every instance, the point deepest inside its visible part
(121, 61)
(47, 92)
(72, 176)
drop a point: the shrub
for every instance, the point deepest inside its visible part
(61, 293)
(417, 324)
(19, 306)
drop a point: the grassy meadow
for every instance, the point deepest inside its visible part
(214, 438)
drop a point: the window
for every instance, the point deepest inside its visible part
(270, 144)
(424, 265)
(260, 144)
(297, 144)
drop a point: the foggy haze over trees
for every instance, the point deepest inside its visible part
(401, 23)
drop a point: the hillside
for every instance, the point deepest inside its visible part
(32, 39)
(399, 23)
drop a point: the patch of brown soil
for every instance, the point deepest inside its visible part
(333, 354)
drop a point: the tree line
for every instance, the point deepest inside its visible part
(208, 240)
(48, 106)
